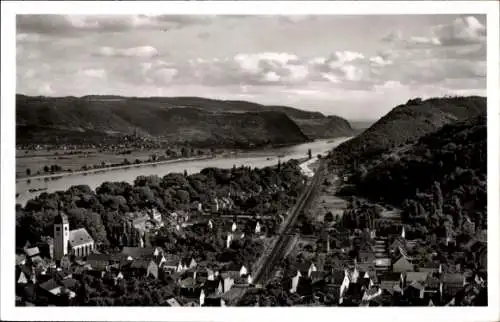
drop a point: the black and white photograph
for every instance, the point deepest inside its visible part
(164, 158)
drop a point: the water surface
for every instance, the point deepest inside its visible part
(258, 158)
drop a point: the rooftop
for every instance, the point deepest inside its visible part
(79, 237)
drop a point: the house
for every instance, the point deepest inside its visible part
(188, 262)
(371, 293)
(61, 274)
(100, 262)
(241, 282)
(402, 265)
(397, 245)
(38, 263)
(452, 283)
(213, 287)
(142, 252)
(51, 287)
(228, 280)
(172, 302)
(112, 277)
(431, 269)
(337, 282)
(142, 267)
(258, 228)
(170, 263)
(295, 282)
(305, 269)
(233, 294)
(189, 288)
(391, 282)
(20, 259)
(243, 270)
(366, 257)
(25, 274)
(32, 252)
(318, 276)
(214, 300)
(353, 295)
(304, 287)
(382, 263)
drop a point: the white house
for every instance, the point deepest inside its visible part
(202, 297)
(243, 270)
(228, 283)
(210, 275)
(355, 275)
(233, 227)
(229, 239)
(295, 282)
(345, 284)
(257, 228)
(312, 268)
(210, 224)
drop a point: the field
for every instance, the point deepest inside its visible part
(37, 160)
(326, 201)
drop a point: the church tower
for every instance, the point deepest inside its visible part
(61, 235)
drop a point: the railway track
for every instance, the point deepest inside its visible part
(273, 255)
(286, 232)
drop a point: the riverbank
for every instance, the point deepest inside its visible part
(106, 169)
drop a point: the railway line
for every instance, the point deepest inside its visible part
(286, 234)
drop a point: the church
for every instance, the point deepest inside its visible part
(76, 242)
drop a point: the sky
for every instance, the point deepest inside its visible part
(358, 67)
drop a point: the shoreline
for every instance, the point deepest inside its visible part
(121, 167)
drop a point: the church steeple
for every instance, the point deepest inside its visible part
(61, 234)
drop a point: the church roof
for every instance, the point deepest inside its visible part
(79, 237)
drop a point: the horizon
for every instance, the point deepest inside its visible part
(378, 61)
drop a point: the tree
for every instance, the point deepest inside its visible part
(46, 169)
(309, 153)
(28, 172)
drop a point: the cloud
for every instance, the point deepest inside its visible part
(71, 24)
(203, 35)
(94, 73)
(461, 31)
(45, 89)
(142, 51)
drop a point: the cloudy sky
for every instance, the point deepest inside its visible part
(358, 67)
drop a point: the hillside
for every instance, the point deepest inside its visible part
(440, 181)
(407, 123)
(322, 128)
(191, 120)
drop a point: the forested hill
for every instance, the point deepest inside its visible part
(407, 123)
(440, 181)
(187, 120)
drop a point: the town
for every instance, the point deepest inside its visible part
(207, 254)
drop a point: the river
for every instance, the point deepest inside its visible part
(258, 158)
